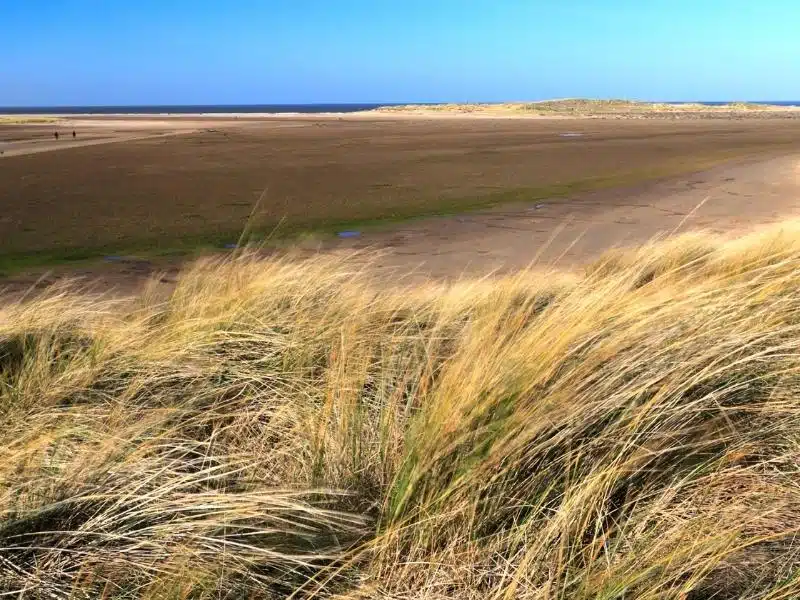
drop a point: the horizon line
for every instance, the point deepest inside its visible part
(388, 103)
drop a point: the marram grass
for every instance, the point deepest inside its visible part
(280, 429)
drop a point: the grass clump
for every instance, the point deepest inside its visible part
(277, 428)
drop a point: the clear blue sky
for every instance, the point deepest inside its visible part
(68, 52)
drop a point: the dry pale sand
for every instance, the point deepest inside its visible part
(31, 138)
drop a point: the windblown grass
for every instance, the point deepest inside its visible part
(276, 429)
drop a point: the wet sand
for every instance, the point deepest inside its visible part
(337, 166)
(564, 234)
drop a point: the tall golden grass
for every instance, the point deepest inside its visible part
(290, 429)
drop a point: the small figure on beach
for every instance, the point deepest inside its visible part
(73, 134)
(56, 135)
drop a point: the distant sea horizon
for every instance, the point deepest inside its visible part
(156, 109)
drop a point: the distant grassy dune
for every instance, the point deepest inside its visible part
(26, 120)
(587, 107)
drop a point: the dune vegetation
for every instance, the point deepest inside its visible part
(277, 429)
(576, 107)
(26, 119)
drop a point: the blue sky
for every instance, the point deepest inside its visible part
(69, 52)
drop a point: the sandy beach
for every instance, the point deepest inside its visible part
(551, 190)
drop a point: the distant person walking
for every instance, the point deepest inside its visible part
(73, 134)
(56, 135)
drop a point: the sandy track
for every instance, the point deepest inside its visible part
(37, 138)
(569, 232)
(35, 147)
(93, 131)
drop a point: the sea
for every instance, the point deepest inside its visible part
(179, 109)
(157, 109)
